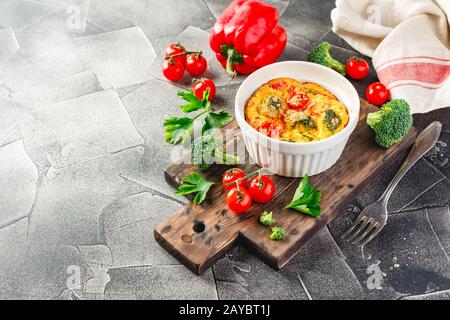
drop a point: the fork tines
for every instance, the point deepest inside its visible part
(363, 230)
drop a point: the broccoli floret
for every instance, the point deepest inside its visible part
(277, 233)
(205, 152)
(267, 219)
(320, 54)
(331, 120)
(391, 123)
(274, 103)
(308, 122)
(272, 106)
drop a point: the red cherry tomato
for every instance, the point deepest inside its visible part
(272, 129)
(176, 48)
(201, 85)
(357, 68)
(377, 93)
(278, 85)
(239, 200)
(261, 188)
(297, 101)
(173, 70)
(232, 175)
(196, 64)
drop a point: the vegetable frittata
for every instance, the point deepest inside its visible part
(294, 111)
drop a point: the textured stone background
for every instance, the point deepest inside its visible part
(82, 157)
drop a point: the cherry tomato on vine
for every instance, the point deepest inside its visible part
(377, 93)
(196, 64)
(173, 70)
(261, 188)
(201, 85)
(357, 68)
(232, 175)
(176, 48)
(239, 200)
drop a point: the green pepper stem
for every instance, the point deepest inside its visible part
(230, 65)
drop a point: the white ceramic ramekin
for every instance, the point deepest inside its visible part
(292, 159)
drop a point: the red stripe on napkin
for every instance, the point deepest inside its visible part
(417, 85)
(432, 73)
(413, 58)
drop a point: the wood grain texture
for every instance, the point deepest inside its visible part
(199, 235)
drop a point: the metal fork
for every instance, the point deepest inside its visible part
(374, 217)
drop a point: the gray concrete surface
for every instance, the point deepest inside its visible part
(82, 101)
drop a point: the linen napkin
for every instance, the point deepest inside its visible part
(409, 43)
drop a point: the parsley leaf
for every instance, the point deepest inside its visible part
(178, 129)
(306, 199)
(216, 120)
(195, 183)
(194, 103)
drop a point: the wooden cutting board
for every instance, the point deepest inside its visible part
(199, 235)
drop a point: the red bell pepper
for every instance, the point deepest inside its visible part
(247, 36)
